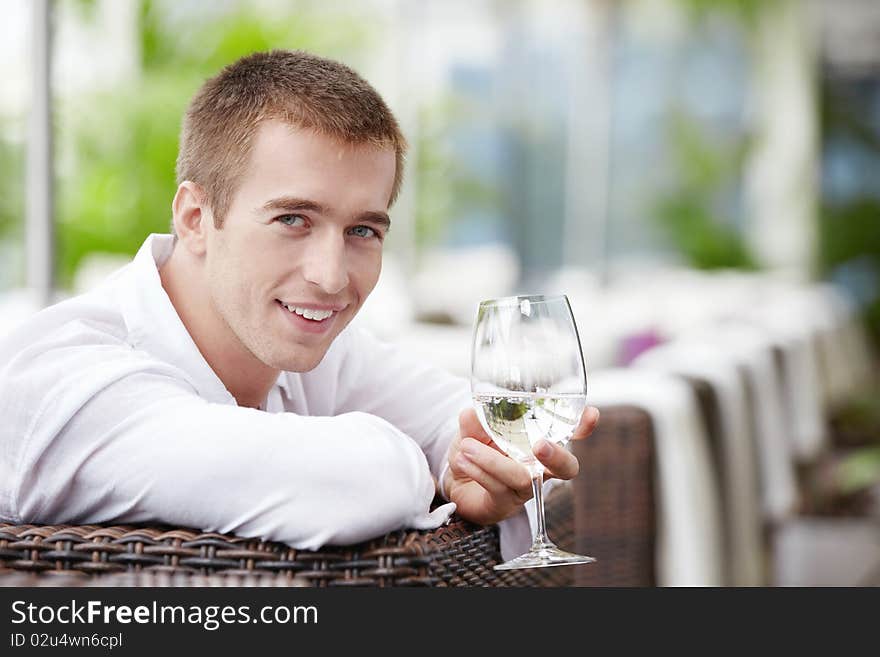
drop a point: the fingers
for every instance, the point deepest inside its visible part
(479, 458)
(496, 472)
(561, 463)
(557, 459)
(587, 424)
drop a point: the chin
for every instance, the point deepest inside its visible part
(298, 363)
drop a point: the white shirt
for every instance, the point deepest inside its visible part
(111, 414)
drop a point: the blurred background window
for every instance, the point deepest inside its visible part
(599, 134)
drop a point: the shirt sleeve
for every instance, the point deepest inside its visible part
(421, 400)
(129, 440)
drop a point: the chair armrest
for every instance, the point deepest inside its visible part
(457, 554)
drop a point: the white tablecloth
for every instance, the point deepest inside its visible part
(740, 474)
(689, 549)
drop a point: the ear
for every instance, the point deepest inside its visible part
(192, 217)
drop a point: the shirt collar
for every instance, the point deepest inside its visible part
(284, 383)
(154, 325)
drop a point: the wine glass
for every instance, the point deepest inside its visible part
(528, 382)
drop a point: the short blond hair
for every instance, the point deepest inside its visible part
(301, 89)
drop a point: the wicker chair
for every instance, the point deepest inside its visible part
(607, 512)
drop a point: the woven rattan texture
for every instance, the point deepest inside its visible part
(144, 578)
(458, 554)
(607, 512)
(614, 517)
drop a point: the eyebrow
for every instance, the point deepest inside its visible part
(293, 204)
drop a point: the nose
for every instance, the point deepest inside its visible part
(325, 264)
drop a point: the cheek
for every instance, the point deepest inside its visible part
(233, 281)
(365, 272)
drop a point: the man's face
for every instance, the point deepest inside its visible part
(300, 248)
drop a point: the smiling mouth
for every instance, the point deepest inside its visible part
(311, 314)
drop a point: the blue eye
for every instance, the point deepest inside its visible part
(363, 231)
(291, 219)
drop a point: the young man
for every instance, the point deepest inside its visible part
(213, 383)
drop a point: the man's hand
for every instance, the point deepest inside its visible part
(489, 486)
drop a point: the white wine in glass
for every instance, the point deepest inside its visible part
(529, 383)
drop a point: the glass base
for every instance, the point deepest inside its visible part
(542, 555)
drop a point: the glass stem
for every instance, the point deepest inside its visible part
(538, 490)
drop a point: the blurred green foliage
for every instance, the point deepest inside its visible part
(11, 184)
(437, 165)
(446, 186)
(747, 12)
(117, 148)
(849, 229)
(849, 241)
(692, 213)
(12, 165)
(860, 470)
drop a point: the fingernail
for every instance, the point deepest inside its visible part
(469, 447)
(462, 461)
(595, 413)
(543, 449)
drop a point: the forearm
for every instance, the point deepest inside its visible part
(304, 481)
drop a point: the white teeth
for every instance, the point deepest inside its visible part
(308, 313)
